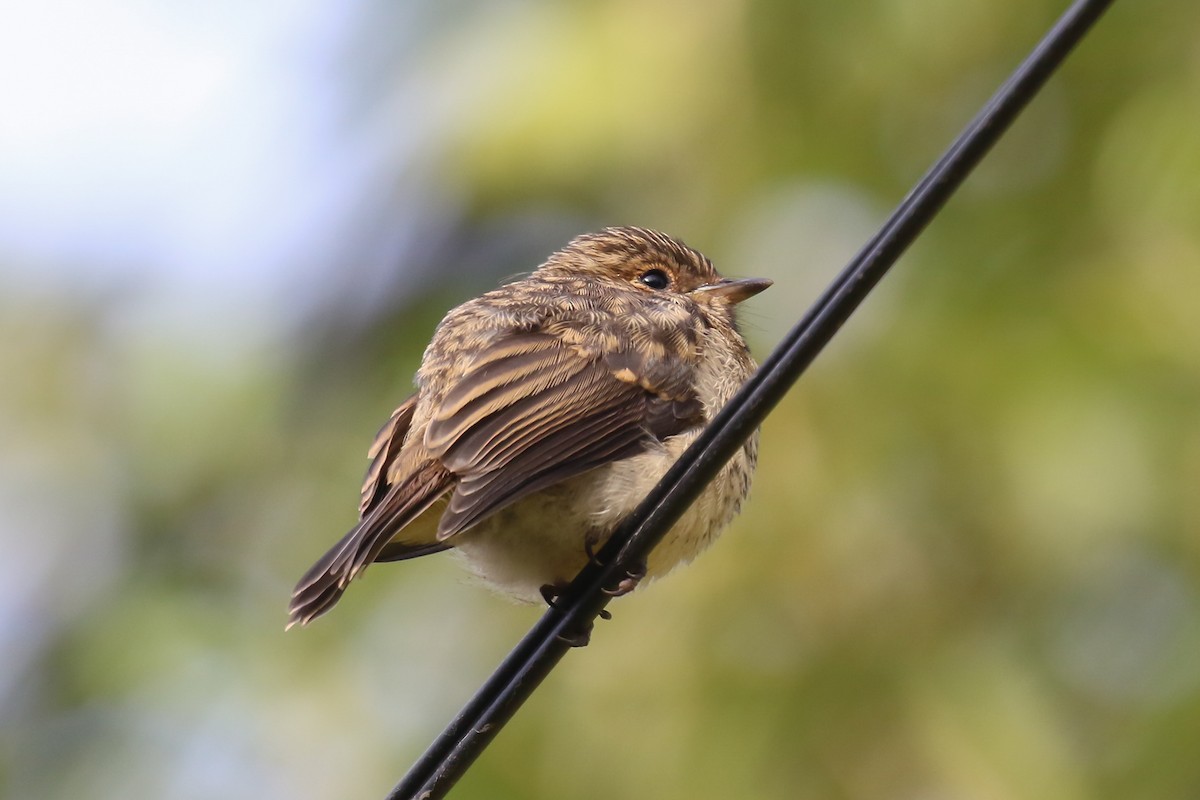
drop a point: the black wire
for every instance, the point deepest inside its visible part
(540, 650)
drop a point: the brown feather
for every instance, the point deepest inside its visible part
(321, 587)
(530, 411)
(383, 451)
(401, 551)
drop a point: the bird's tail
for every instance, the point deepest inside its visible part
(370, 540)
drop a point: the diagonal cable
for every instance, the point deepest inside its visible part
(452, 753)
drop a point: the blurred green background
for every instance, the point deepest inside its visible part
(970, 566)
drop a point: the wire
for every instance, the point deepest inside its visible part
(519, 675)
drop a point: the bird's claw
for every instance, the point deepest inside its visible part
(589, 547)
(633, 576)
(552, 593)
(578, 637)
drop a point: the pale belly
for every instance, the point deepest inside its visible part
(543, 539)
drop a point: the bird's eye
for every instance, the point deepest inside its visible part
(655, 279)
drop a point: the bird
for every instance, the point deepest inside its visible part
(545, 411)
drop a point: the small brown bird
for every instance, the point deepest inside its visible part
(545, 411)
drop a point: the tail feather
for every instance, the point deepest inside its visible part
(319, 589)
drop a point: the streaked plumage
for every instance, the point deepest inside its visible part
(545, 411)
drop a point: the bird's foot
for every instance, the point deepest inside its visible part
(589, 547)
(633, 576)
(551, 592)
(579, 637)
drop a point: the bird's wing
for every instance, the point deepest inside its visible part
(383, 453)
(528, 411)
(531, 410)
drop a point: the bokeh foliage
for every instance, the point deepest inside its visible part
(970, 567)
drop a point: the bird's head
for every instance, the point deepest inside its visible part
(641, 260)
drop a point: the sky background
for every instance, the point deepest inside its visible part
(970, 565)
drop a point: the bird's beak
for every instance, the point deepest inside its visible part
(733, 291)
